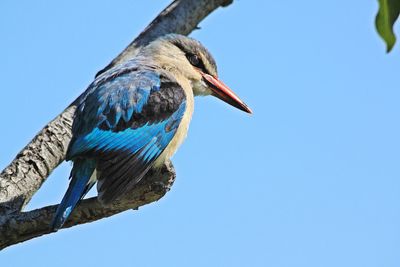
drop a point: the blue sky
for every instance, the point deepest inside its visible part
(311, 179)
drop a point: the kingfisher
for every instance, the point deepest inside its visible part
(135, 115)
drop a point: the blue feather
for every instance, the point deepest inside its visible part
(78, 186)
(130, 139)
(116, 98)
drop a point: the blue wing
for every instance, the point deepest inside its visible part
(125, 122)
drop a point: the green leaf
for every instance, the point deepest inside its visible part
(388, 13)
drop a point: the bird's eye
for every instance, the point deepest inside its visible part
(194, 60)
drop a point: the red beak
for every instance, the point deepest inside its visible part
(223, 92)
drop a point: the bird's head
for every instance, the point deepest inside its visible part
(178, 53)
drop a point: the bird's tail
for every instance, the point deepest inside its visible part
(78, 186)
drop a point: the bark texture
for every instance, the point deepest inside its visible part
(26, 173)
(22, 226)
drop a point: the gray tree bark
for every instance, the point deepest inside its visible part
(20, 180)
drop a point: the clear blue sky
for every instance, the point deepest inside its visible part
(311, 179)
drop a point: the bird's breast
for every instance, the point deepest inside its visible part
(182, 130)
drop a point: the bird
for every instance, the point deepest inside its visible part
(135, 115)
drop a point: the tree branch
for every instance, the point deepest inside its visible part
(22, 226)
(26, 173)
